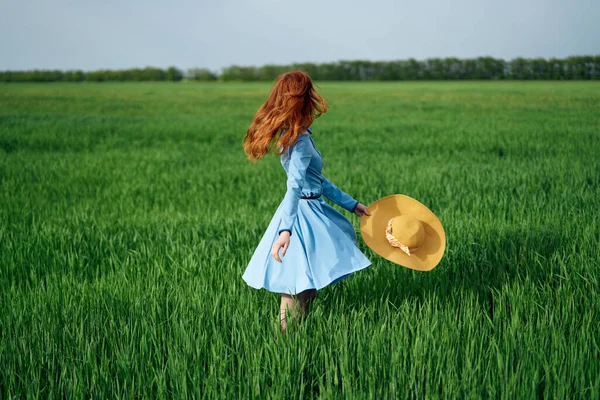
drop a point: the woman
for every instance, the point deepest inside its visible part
(308, 244)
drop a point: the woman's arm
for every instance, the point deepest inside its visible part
(299, 160)
(338, 196)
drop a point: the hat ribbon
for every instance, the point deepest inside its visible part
(395, 242)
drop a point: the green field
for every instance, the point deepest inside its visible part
(128, 213)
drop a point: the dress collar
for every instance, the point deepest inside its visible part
(307, 129)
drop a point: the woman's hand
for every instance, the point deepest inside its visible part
(282, 241)
(361, 210)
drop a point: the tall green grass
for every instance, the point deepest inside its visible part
(128, 213)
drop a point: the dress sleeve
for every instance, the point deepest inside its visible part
(299, 160)
(338, 196)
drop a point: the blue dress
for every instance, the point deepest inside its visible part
(323, 246)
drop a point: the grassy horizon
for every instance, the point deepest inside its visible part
(128, 213)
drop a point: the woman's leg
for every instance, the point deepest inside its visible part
(286, 307)
(305, 299)
(290, 305)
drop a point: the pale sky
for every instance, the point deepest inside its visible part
(115, 34)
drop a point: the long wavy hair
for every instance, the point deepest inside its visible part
(291, 107)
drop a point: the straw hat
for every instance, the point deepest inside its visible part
(404, 231)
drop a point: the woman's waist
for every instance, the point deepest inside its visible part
(308, 194)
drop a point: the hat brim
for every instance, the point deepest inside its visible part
(372, 229)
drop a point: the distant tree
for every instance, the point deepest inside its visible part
(434, 69)
(414, 69)
(489, 68)
(6, 76)
(309, 68)
(95, 76)
(389, 71)
(595, 68)
(327, 71)
(200, 74)
(583, 67)
(238, 73)
(575, 67)
(174, 74)
(269, 72)
(556, 68)
(540, 69)
(451, 68)
(520, 68)
(69, 76)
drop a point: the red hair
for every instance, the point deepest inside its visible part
(292, 105)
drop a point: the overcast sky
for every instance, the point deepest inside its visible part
(95, 34)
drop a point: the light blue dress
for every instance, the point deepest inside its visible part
(323, 246)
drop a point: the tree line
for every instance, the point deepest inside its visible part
(485, 68)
